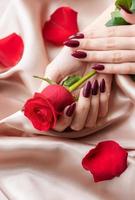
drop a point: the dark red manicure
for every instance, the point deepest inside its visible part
(87, 89)
(95, 88)
(98, 67)
(71, 110)
(77, 36)
(79, 54)
(72, 43)
(125, 9)
(102, 86)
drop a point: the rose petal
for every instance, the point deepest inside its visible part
(59, 96)
(62, 24)
(106, 161)
(36, 109)
(11, 50)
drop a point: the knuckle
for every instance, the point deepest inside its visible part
(129, 69)
(108, 93)
(110, 43)
(58, 129)
(93, 56)
(117, 57)
(110, 32)
(104, 99)
(76, 127)
(83, 106)
(92, 33)
(85, 43)
(132, 41)
(132, 30)
(89, 124)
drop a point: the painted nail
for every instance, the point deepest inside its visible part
(125, 9)
(79, 54)
(72, 43)
(71, 110)
(98, 67)
(77, 36)
(102, 86)
(95, 88)
(87, 89)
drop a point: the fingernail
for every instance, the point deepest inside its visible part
(79, 54)
(77, 36)
(71, 110)
(125, 9)
(87, 89)
(95, 88)
(98, 67)
(102, 86)
(72, 43)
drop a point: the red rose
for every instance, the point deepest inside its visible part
(62, 24)
(11, 50)
(45, 107)
(107, 160)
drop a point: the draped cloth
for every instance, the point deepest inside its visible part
(47, 165)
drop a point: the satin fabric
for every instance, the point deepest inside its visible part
(35, 165)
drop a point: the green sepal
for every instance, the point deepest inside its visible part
(71, 80)
(45, 79)
(116, 19)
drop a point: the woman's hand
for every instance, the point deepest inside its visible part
(113, 48)
(96, 104)
(92, 104)
(64, 64)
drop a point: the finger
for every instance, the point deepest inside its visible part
(116, 56)
(129, 17)
(105, 90)
(65, 120)
(82, 108)
(111, 43)
(53, 74)
(122, 68)
(116, 31)
(93, 112)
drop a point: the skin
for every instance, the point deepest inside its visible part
(114, 47)
(94, 106)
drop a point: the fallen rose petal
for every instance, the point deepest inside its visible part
(62, 24)
(11, 50)
(106, 161)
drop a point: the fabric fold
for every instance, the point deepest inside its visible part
(35, 165)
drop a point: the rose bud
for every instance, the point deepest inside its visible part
(45, 107)
(106, 161)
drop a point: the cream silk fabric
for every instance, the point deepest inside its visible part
(36, 166)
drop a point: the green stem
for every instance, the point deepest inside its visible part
(45, 79)
(81, 81)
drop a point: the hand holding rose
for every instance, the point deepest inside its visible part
(45, 107)
(96, 102)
